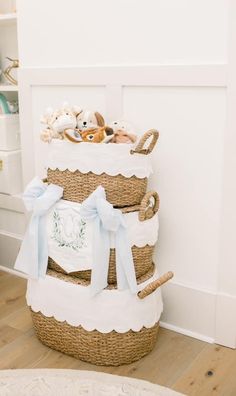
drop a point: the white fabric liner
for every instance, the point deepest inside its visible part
(109, 310)
(113, 159)
(76, 254)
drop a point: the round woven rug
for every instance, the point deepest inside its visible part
(50, 382)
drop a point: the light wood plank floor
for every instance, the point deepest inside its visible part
(179, 362)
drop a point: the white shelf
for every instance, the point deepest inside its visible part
(13, 272)
(12, 202)
(8, 19)
(8, 88)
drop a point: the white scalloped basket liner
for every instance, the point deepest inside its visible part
(109, 310)
(112, 159)
(70, 238)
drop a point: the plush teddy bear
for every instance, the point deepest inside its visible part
(58, 121)
(123, 132)
(88, 119)
(92, 135)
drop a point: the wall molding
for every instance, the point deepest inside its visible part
(193, 311)
(202, 314)
(206, 75)
(186, 332)
(189, 309)
(226, 326)
(113, 79)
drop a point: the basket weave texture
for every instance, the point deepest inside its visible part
(121, 191)
(111, 349)
(77, 186)
(83, 282)
(142, 257)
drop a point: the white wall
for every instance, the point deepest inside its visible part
(190, 112)
(188, 163)
(76, 32)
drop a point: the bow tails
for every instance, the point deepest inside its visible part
(33, 255)
(107, 219)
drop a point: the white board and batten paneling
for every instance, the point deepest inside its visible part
(169, 74)
(187, 162)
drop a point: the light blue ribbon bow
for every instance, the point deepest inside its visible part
(107, 219)
(33, 256)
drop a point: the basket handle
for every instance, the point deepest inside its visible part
(151, 287)
(146, 211)
(139, 149)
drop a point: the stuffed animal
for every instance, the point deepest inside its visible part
(58, 121)
(73, 135)
(95, 135)
(87, 119)
(123, 132)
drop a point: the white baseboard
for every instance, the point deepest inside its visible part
(186, 332)
(202, 314)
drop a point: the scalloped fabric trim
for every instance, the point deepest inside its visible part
(112, 159)
(109, 310)
(87, 328)
(128, 173)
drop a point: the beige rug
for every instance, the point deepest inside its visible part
(50, 382)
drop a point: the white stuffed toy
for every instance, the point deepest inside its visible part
(88, 119)
(58, 121)
(123, 132)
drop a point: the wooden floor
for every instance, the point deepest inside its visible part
(179, 362)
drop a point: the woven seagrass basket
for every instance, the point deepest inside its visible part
(121, 191)
(105, 349)
(142, 256)
(111, 349)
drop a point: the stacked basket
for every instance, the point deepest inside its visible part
(96, 335)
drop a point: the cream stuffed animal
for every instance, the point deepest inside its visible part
(58, 121)
(88, 119)
(123, 132)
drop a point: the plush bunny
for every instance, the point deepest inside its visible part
(58, 121)
(123, 132)
(87, 119)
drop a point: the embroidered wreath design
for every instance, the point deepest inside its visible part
(78, 240)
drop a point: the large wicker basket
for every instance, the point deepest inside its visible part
(120, 190)
(112, 349)
(142, 256)
(106, 349)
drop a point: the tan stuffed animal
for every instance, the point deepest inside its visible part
(58, 121)
(93, 135)
(123, 132)
(87, 119)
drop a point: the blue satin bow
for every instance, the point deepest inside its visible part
(107, 219)
(33, 256)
